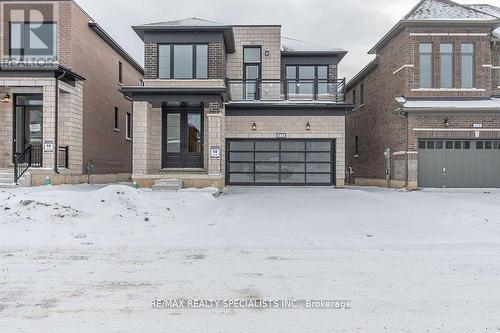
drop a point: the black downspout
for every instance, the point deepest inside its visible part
(56, 139)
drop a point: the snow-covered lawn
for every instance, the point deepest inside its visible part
(91, 259)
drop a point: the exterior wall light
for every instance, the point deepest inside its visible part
(308, 126)
(6, 98)
(446, 122)
(254, 127)
(267, 53)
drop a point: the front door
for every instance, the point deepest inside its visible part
(28, 129)
(182, 138)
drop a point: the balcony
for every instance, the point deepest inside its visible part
(287, 90)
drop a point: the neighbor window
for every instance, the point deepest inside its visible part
(467, 65)
(354, 97)
(356, 145)
(128, 126)
(425, 51)
(120, 72)
(183, 61)
(117, 118)
(33, 40)
(362, 94)
(446, 75)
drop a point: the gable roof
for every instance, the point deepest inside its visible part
(445, 10)
(439, 13)
(485, 8)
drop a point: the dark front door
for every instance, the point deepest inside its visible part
(182, 138)
(28, 126)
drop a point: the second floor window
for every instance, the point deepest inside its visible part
(467, 56)
(446, 75)
(36, 40)
(302, 79)
(183, 61)
(120, 72)
(354, 97)
(362, 94)
(425, 52)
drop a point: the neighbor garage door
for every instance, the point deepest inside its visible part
(459, 163)
(280, 162)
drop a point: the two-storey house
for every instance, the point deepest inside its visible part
(427, 112)
(237, 104)
(61, 114)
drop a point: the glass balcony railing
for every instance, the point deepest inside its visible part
(287, 90)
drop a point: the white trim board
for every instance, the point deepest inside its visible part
(457, 129)
(403, 67)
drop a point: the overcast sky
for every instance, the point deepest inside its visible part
(354, 25)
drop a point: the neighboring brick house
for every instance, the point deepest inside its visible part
(237, 105)
(426, 112)
(55, 46)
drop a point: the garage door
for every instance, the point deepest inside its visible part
(459, 163)
(280, 162)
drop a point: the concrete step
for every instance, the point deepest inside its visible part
(6, 175)
(7, 185)
(6, 180)
(167, 185)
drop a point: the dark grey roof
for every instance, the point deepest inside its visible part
(189, 22)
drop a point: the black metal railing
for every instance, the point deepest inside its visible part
(328, 90)
(63, 157)
(30, 157)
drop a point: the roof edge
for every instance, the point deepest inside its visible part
(115, 46)
(362, 74)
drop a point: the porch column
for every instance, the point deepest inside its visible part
(216, 137)
(48, 125)
(141, 110)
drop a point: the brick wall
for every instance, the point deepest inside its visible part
(151, 61)
(95, 60)
(375, 124)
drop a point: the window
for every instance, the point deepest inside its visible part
(117, 119)
(33, 40)
(356, 147)
(362, 94)
(446, 75)
(183, 61)
(120, 72)
(354, 97)
(467, 65)
(425, 65)
(128, 126)
(301, 79)
(251, 71)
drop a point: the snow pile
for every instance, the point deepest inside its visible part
(446, 10)
(296, 45)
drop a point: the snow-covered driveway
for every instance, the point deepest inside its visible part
(91, 259)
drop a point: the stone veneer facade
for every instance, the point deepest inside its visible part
(219, 126)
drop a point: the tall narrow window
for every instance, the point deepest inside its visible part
(251, 71)
(362, 94)
(425, 65)
(164, 61)
(128, 126)
(117, 119)
(120, 72)
(467, 65)
(446, 74)
(356, 145)
(354, 97)
(183, 61)
(202, 61)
